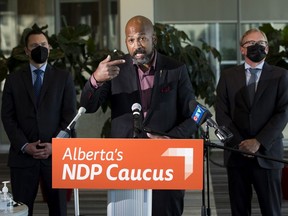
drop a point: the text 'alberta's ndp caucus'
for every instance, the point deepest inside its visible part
(127, 163)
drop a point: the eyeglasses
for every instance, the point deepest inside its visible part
(252, 42)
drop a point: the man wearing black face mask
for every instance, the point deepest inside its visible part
(38, 101)
(252, 101)
(39, 54)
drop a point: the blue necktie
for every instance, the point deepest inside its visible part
(252, 83)
(37, 83)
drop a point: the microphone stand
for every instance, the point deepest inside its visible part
(136, 133)
(206, 211)
(67, 134)
(226, 148)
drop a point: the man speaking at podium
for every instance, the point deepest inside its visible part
(160, 84)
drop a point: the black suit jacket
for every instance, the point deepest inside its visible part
(264, 120)
(24, 122)
(169, 110)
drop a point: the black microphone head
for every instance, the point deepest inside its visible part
(192, 105)
(137, 122)
(136, 109)
(64, 134)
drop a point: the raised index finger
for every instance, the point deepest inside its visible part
(116, 62)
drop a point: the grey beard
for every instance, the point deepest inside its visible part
(145, 60)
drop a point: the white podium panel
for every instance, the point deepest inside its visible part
(129, 203)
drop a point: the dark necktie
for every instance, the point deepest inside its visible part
(37, 83)
(252, 83)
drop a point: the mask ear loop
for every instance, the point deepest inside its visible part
(27, 51)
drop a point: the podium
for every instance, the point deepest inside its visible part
(129, 202)
(128, 168)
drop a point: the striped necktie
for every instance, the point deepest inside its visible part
(252, 83)
(37, 83)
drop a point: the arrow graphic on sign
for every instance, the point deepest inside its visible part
(187, 153)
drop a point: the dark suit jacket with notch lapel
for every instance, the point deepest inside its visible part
(169, 109)
(265, 119)
(24, 122)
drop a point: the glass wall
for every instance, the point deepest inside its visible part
(16, 15)
(222, 36)
(101, 15)
(220, 23)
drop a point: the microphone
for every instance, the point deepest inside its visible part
(201, 114)
(136, 109)
(66, 133)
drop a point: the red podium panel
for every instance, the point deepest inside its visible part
(127, 163)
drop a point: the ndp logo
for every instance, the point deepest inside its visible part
(127, 163)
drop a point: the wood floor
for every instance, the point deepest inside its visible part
(93, 202)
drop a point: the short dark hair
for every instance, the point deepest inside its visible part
(33, 32)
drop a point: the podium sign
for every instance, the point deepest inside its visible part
(127, 163)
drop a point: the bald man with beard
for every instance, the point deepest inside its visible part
(159, 83)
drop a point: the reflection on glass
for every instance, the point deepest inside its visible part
(228, 41)
(222, 36)
(16, 15)
(100, 15)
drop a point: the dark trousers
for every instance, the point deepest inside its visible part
(25, 184)
(167, 202)
(266, 183)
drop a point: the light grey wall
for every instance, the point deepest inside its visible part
(130, 8)
(194, 10)
(215, 10)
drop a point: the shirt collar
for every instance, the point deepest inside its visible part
(260, 66)
(43, 67)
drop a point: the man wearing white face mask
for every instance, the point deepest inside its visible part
(252, 101)
(38, 101)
